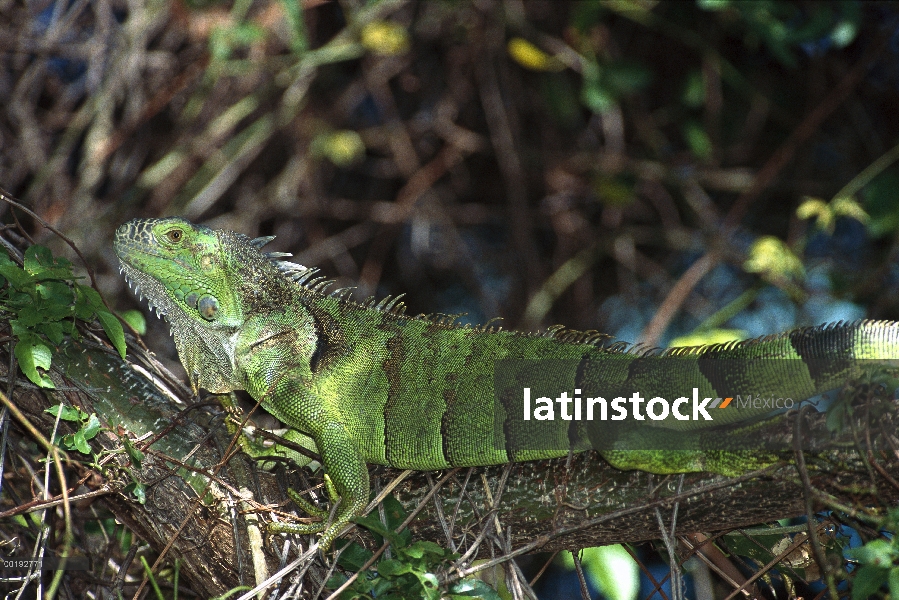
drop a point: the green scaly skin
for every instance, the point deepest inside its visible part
(369, 384)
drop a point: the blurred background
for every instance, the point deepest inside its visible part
(667, 172)
(649, 169)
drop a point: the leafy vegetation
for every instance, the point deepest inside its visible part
(414, 570)
(42, 301)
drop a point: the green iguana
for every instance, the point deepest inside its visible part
(369, 384)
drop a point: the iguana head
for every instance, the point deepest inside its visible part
(203, 282)
(224, 298)
(182, 269)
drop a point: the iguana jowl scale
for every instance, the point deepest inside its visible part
(370, 384)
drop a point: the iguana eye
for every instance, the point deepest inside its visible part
(174, 235)
(208, 307)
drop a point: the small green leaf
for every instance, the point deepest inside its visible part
(394, 512)
(422, 547)
(354, 557)
(698, 140)
(52, 330)
(66, 413)
(531, 57)
(385, 38)
(878, 553)
(32, 355)
(712, 4)
(133, 452)
(80, 443)
(113, 329)
(18, 278)
(37, 259)
(429, 584)
(139, 491)
(372, 523)
(867, 581)
(610, 568)
(474, 588)
(30, 316)
(92, 427)
(694, 90)
(773, 259)
(837, 416)
(55, 292)
(393, 568)
(91, 296)
(596, 98)
(39, 262)
(343, 148)
(136, 319)
(893, 581)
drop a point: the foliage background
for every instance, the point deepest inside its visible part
(649, 169)
(539, 161)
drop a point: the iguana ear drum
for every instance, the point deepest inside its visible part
(208, 307)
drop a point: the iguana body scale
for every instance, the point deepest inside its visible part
(370, 384)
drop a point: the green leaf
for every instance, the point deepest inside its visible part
(343, 148)
(625, 78)
(712, 4)
(79, 442)
(837, 415)
(773, 259)
(113, 329)
(18, 278)
(393, 568)
(394, 512)
(139, 490)
(136, 455)
(596, 98)
(531, 57)
(423, 547)
(136, 320)
(429, 584)
(709, 336)
(694, 90)
(698, 140)
(372, 523)
(32, 354)
(92, 427)
(880, 202)
(893, 581)
(39, 261)
(52, 330)
(30, 316)
(385, 38)
(611, 569)
(38, 258)
(66, 413)
(867, 581)
(474, 588)
(878, 553)
(354, 557)
(91, 296)
(56, 292)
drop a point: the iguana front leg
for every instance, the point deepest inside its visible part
(290, 399)
(346, 483)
